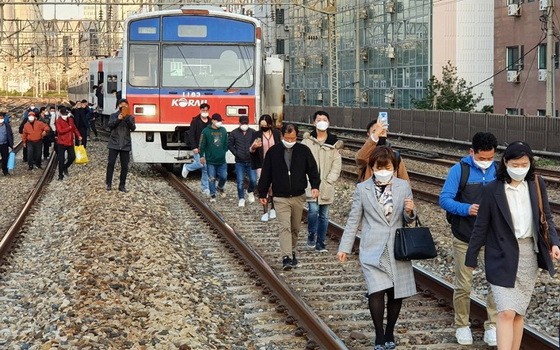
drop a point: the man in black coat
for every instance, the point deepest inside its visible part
(198, 124)
(6, 141)
(287, 166)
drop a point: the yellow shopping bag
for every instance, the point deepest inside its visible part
(81, 154)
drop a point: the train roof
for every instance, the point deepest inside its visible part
(195, 10)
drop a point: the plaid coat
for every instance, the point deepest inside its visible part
(377, 235)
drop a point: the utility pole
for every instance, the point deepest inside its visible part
(550, 59)
(333, 57)
(358, 57)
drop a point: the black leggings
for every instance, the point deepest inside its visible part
(376, 303)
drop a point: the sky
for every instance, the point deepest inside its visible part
(62, 12)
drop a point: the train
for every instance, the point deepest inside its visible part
(171, 62)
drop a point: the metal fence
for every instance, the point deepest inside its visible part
(540, 132)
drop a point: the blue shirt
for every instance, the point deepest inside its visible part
(3, 134)
(451, 187)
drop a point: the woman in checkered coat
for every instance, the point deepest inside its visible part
(382, 203)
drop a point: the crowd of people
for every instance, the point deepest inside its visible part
(501, 205)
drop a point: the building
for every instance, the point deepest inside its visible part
(520, 57)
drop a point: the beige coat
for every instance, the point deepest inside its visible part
(329, 162)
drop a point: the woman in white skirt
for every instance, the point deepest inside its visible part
(507, 225)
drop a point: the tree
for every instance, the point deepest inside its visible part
(451, 93)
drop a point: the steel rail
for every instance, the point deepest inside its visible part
(318, 331)
(11, 234)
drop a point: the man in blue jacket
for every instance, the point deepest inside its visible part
(286, 167)
(6, 141)
(460, 197)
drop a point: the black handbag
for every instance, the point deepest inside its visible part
(414, 243)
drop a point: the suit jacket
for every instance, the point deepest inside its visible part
(494, 230)
(378, 233)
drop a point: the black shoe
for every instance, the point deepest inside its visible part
(6, 174)
(30, 168)
(108, 187)
(60, 177)
(286, 263)
(123, 189)
(65, 171)
(39, 167)
(294, 260)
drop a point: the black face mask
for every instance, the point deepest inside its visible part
(265, 128)
(382, 141)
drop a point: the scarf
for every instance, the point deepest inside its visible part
(384, 196)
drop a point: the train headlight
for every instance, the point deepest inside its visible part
(145, 110)
(236, 111)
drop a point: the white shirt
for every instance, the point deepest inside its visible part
(520, 208)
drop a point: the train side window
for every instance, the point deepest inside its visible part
(142, 65)
(111, 83)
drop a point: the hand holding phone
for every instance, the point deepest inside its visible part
(125, 111)
(383, 119)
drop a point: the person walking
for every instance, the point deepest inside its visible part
(239, 143)
(286, 168)
(266, 137)
(383, 203)
(121, 124)
(6, 141)
(32, 137)
(376, 132)
(65, 130)
(460, 197)
(45, 117)
(81, 118)
(213, 148)
(325, 148)
(507, 225)
(198, 123)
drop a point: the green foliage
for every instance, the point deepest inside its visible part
(450, 94)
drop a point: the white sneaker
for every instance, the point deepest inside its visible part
(241, 203)
(464, 336)
(264, 217)
(251, 197)
(490, 336)
(184, 172)
(272, 214)
(206, 193)
(213, 199)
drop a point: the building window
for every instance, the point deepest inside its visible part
(541, 112)
(279, 16)
(280, 47)
(513, 58)
(514, 111)
(542, 56)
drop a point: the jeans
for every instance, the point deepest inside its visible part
(317, 223)
(214, 171)
(203, 168)
(240, 170)
(62, 165)
(124, 159)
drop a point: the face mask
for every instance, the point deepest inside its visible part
(322, 125)
(483, 164)
(383, 176)
(288, 144)
(31, 119)
(64, 117)
(218, 124)
(382, 141)
(265, 128)
(32, 107)
(244, 127)
(517, 174)
(53, 114)
(204, 114)
(1, 122)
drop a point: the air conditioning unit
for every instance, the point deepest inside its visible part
(513, 76)
(543, 5)
(286, 27)
(364, 97)
(542, 74)
(390, 97)
(364, 54)
(364, 14)
(390, 7)
(287, 57)
(390, 52)
(320, 96)
(514, 10)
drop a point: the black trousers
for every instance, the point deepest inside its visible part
(4, 153)
(124, 159)
(84, 133)
(34, 149)
(46, 146)
(62, 166)
(93, 127)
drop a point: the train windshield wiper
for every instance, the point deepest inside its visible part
(239, 77)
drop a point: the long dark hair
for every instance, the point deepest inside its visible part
(516, 150)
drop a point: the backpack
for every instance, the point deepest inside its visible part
(465, 172)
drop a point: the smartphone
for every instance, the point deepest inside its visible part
(125, 111)
(383, 118)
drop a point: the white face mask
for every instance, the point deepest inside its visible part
(204, 114)
(483, 164)
(288, 144)
(1, 122)
(322, 125)
(32, 107)
(244, 127)
(218, 124)
(53, 114)
(31, 118)
(517, 174)
(383, 176)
